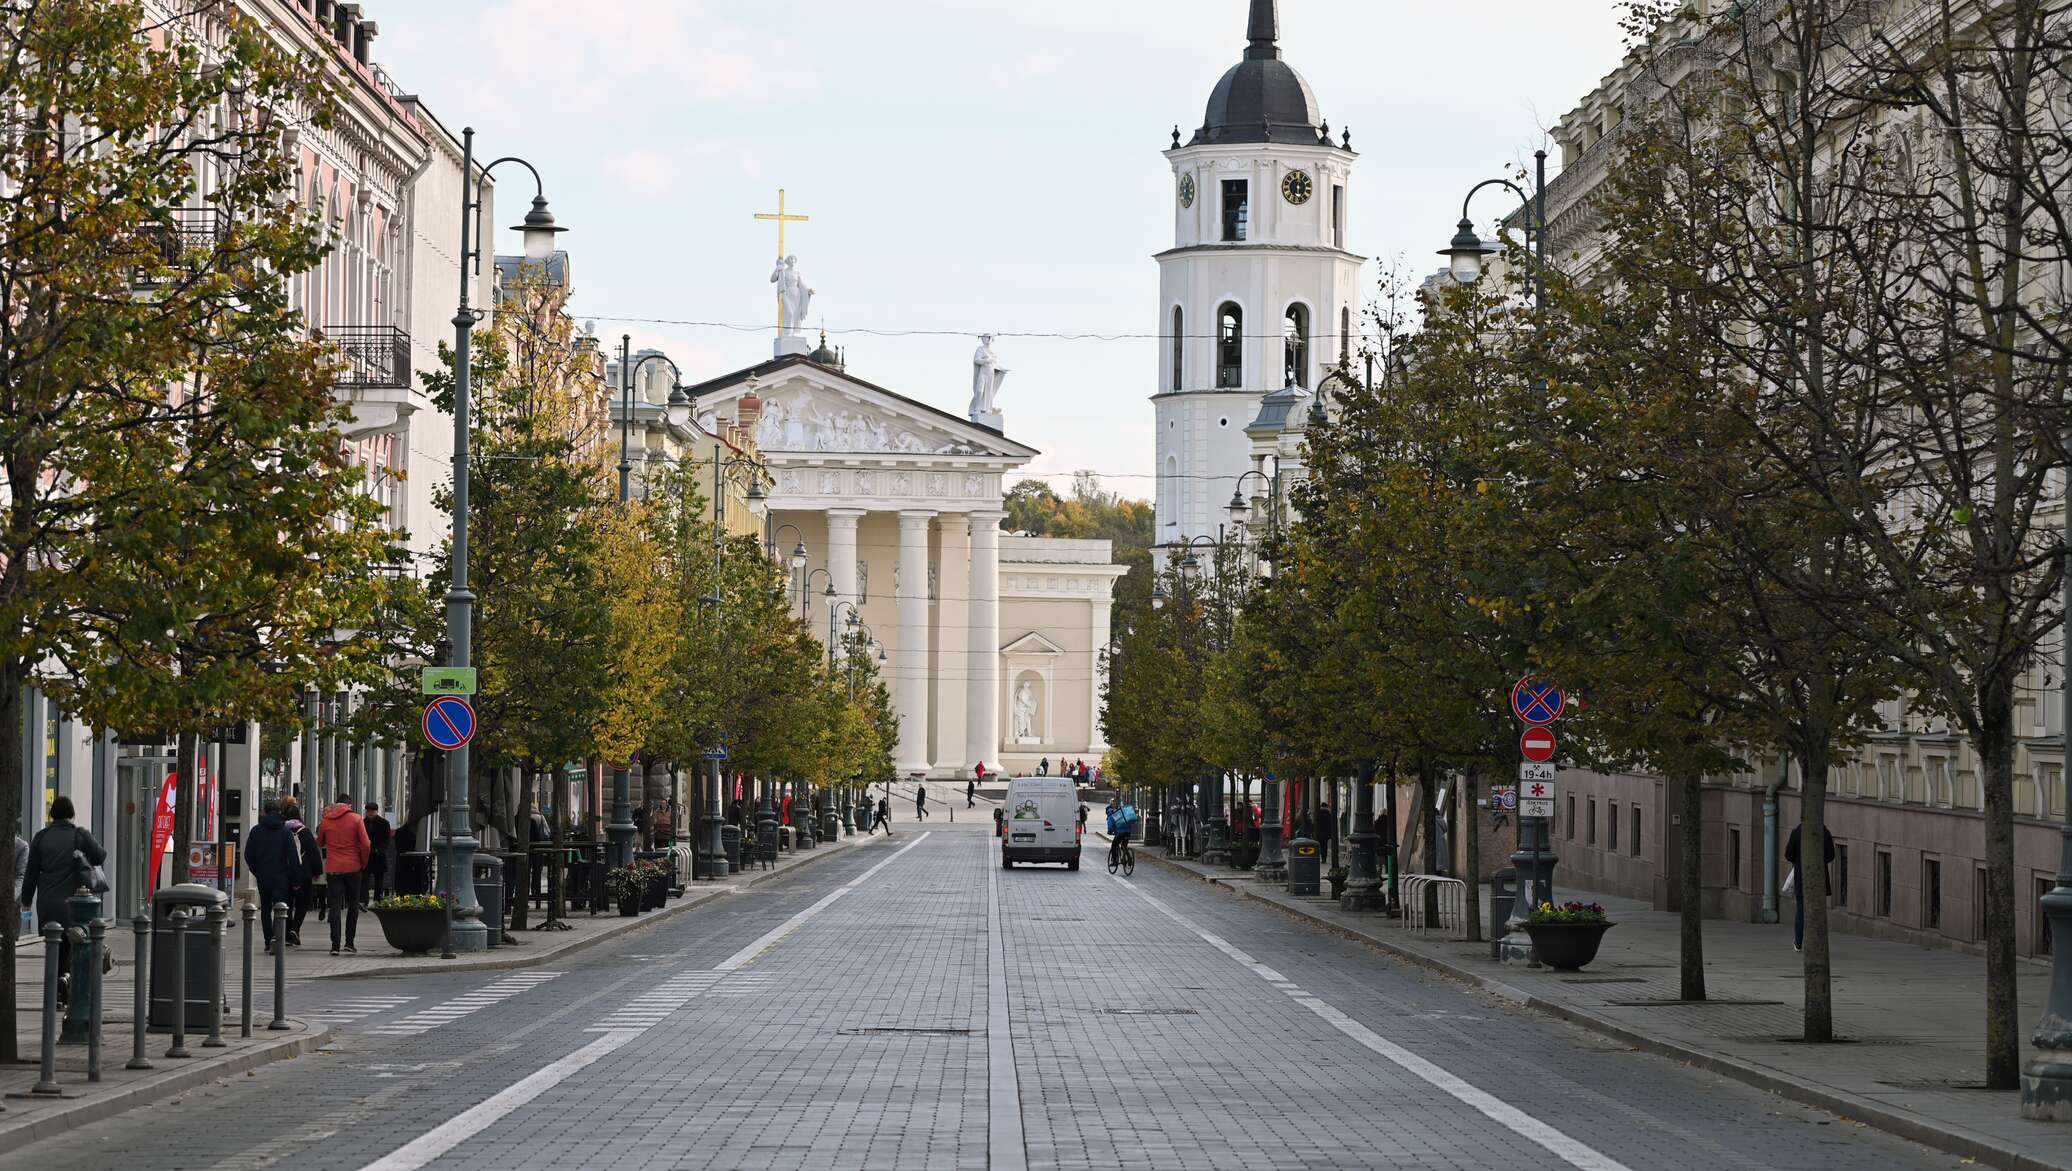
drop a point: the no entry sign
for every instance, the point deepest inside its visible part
(1537, 744)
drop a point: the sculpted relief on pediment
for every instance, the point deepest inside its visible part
(800, 421)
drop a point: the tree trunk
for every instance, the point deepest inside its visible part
(557, 895)
(1471, 785)
(185, 800)
(1814, 754)
(521, 880)
(13, 673)
(1996, 763)
(1691, 920)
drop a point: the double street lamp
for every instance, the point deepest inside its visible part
(1466, 255)
(458, 845)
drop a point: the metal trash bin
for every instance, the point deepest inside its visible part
(489, 891)
(195, 899)
(1503, 896)
(1305, 866)
(730, 840)
(414, 873)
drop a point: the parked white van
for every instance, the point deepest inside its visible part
(1042, 822)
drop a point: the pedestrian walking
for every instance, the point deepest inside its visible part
(1326, 826)
(884, 815)
(274, 860)
(51, 871)
(970, 794)
(308, 888)
(1082, 817)
(343, 838)
(380, 835)
(1797, 886)
(920, 803)
(1043, 767)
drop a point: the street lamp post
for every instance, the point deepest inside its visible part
(1272, 865)
(2047, 1078)
(798, 562)
(709, 852)
(458, 844)
(620, 832)
(1534, 860)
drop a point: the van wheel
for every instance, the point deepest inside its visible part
(1072, 865)
(1006, 863)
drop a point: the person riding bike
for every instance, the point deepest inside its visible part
(1122, 822)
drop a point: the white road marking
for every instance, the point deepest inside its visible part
(425, 1020)
(428, 1146)
(353, 1008)
(1567, 1149)
(1006, 1145)
(619, 1030)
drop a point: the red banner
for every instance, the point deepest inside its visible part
(162, 825)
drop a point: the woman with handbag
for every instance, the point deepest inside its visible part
(52, 873)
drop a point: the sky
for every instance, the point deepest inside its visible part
(969, 166)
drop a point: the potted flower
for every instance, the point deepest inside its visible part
(657, 884)
(626, 886)
(1566, 937)
(412, 924)
(1337, 876)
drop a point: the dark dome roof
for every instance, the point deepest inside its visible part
(1262, 98)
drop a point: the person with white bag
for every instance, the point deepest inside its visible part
(1797, 888)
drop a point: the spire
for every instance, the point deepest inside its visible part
(1264, 31)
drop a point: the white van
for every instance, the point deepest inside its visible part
(1042, 822)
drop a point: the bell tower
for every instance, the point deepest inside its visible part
(1259, 291)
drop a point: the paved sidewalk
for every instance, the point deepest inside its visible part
(1913, 1016)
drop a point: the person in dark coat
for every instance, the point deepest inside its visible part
(920, 803)
(1325, 825)
(380, 835)
(884, 816)
(1798, 882)
(275, 861)
(52, 872)
(304, 892)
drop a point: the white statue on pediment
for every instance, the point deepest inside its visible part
(794, 298)
(986, 376)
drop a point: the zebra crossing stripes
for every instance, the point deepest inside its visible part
(425, 1020)
(657, 1004)
(356, 1008)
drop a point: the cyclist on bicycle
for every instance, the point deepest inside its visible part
(1122, 822)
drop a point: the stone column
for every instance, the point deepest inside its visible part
(952, 653)
(1097, 628)
(841, 561)
(982, 690)
(911, 657)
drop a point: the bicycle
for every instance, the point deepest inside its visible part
(1123, 859)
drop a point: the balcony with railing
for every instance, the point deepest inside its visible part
(374, 375)
(183, 240)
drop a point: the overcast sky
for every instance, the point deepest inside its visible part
(970, 165)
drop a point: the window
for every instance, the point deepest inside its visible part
(1842, 875)
(1734, 857)
(2025, 791)
(1295, 346)
(1237, 208)
(1881, 895)
(1230, 347)
(1611, 826)
(1345, 334)
(1179, 345)
(1633, 839)
(1931, 894)
(2053, 791)
(1571, 817)
(1888, 778)
(1338, 215)
(1590, 826)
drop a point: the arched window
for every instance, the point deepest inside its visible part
(1169, 495)
(1295, 346)
(1230, 347)
(1179, 346)
(1345, 335)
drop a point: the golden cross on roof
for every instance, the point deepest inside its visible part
(782, 217)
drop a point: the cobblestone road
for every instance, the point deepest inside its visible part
(911, 1006)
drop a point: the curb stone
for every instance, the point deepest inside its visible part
(1850, 1107)
(528, 956)
(61, 1117)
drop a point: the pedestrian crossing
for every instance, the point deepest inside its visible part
(656, 1005)
(425, 1020)
(357, 1008)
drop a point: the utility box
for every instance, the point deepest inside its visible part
(489, 891)
(193, 958)
(1503, 896)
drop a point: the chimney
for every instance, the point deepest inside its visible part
(363, 52)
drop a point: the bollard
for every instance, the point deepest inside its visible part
(280, 967)
(96, 943)
(446, 901)
(53, 964)
(244, 1024)
(138, 1058)
(216, 915)
(179, 981)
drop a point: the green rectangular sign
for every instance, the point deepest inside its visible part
(449, 681)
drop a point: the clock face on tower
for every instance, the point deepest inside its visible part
(1297, 187)
(1186, 191)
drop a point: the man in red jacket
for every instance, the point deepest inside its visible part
(343, 838)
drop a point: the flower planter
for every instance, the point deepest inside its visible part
(629, 905)
(657, 890)
(1337, 886)
(413, 932)
(1566, 947)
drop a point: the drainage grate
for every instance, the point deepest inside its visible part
(1604, 980)
(895, 1031)
(1152, 1011)
(1688, 1003)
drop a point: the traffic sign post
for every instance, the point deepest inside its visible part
(1536, 703)
(1536, 745)
(447, 681)
(449, 722)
